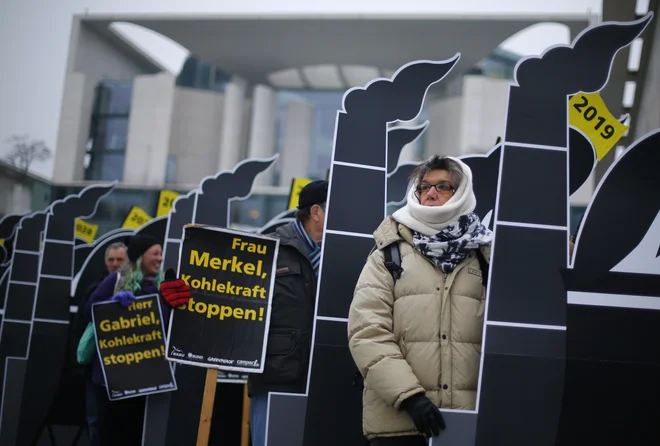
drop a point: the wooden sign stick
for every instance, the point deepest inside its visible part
(207, 407)
(245, 431)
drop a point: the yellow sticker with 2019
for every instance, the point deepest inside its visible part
(136, 218)
(166, 202)
(589, 114)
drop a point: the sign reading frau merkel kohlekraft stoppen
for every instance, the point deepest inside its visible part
(225, 323)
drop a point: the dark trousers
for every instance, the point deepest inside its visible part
(119, 422)
(408, 440)
(91, 411)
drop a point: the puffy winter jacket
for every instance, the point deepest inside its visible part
(421, 335)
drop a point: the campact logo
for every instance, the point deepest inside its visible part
(254, 363)
(177, 352)
(193, 356)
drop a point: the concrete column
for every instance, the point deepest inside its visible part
(297, 146)
(232, 126)
(149, 128)
(195, 134)
(444, 135)
(262, 130)
(75, 117)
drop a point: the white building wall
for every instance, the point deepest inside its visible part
(15, 197)
(149, 130)
(99, 59)
(91, 59)
(231, 125)
(262, 130)
(245, 130)
(297, 141)
(647, 117)
(75, 117)
(444, 132)
(483, 113)
(196, 133)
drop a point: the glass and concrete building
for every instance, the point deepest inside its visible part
(256, 86)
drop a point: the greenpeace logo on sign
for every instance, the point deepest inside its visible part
(220, 360)
(254, 363)
(177, 352)
(193, 356)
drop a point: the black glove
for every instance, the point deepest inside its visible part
(426, 416)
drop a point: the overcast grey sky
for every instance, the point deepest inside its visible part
(35, 39)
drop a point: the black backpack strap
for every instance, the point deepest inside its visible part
(392, 257)
(483, 264)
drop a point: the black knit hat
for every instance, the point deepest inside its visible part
(139, 245)
(315, 192)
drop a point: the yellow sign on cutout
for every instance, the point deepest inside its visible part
(136, 218)
(86, 231)
(294, 194)
(589, 114)
(165, 202)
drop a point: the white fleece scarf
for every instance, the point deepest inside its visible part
(446, 234)
(429, 220)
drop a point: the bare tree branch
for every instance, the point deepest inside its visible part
(24, 151)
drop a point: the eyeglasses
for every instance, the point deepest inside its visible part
(443, 188)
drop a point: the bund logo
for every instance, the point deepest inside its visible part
(177, 352)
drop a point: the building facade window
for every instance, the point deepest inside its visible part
(109, 131)
(201, 75)
(325, 105)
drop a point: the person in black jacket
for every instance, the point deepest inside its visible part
(292, 311)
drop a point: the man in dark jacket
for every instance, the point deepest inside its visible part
(292, 312)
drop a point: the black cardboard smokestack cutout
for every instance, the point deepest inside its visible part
(615, 282)
(47, 310)
(16, 322)
(398, 174)
(523, 356)
(331, 410)
(8, 228)
(279, 220)
(523, 361)
(8, 225)
(485, 170)
(210, 204)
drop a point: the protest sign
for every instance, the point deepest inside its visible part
(130, 342)
(166, 202)
(86, 231)
(224, 325)
(136, 218)
(297, 184)
(232, 378)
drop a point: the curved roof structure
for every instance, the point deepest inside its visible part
(289, 51)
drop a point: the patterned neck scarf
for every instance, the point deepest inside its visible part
(454, 244)
(314, 250)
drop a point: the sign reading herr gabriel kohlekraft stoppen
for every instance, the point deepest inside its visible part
(131, 345)
(224, 325)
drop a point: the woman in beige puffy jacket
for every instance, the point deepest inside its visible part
(417, 343)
